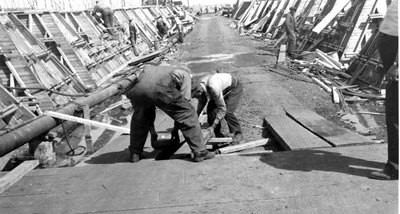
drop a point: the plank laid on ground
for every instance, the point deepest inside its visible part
(218, 140)
(86, 121)
(327, 130)
(230, 149)
(12, 177)
(291, 135)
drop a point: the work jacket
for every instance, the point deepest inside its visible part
(290, 25)
(160, 80)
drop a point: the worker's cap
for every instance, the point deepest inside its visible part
(293, 8)
(200, 88)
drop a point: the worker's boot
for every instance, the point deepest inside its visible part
(237, 138)
(203, 155)
(134, 158)
(389, 172)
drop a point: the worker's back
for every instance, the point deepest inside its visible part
(153, 80)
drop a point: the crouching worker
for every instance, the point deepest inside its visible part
(169, 89)
(224, 92)
(106, 14)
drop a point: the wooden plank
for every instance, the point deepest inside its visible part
(86, 121)
(215, 140)
(6, 97)
(327, 130)
(230, 149)
(282, 54)
(12, 177)
(291, 135)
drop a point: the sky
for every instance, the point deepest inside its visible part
(208, 2)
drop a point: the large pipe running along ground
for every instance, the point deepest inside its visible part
(20, 136)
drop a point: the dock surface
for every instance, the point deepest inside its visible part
(332, 180)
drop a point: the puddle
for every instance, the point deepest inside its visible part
(218, 61)
(364, 123)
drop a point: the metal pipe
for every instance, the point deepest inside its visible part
(19, 137)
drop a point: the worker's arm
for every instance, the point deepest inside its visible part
(216, 94)
(183, 82)
(202, 101)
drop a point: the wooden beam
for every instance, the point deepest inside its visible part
(16, 174)
(291, 135)
(218, 140)
(325, 129)
(325, 87)
(86, 121)
(230, 149)
(282, 54)
(252, 153)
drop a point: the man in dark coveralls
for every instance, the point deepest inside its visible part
(169, 89)
(290, 26)
(106, 14)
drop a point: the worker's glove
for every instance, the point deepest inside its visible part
(211, 130)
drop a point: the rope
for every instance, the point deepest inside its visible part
(71, 152)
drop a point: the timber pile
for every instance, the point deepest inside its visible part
(331, 75)
(346, 28)
(50, 59)
(335, 45)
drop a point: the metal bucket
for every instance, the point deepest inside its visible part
(160, 144)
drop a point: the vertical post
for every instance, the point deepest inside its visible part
(86, 129)
(12, 84)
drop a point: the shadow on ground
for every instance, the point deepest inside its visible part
(117, 157)
(318, 160)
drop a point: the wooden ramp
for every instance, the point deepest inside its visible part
(327, 130)
(332, 180)
(67, 52)
(87, 27)
(291, 135)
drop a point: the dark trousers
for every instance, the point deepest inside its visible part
(107, 16)
(232, 102)
(174, 105)
(388, 48)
